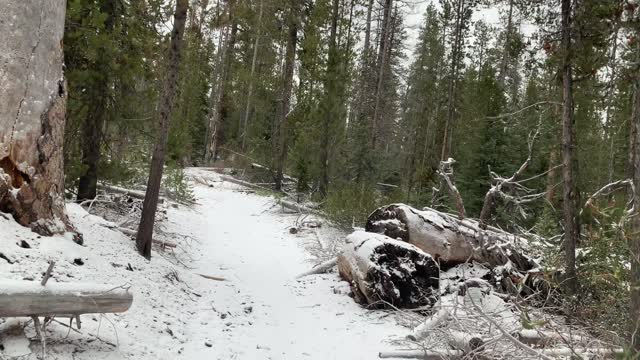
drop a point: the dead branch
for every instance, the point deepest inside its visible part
(216, 278)
(446, 172)
(320, 268)
(610, 188)
(502, 116)
(48, 273)
(512, 183)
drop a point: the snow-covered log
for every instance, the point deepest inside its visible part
(384, 271)
(320, 268)
(451, 241)
(131, 193)
(29, 298)
(422, 354)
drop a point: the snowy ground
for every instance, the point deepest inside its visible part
(260, 312)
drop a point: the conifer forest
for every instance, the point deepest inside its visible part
(320, 179)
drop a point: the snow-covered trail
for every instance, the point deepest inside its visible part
(262, 312)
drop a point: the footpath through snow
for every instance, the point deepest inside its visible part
(260, 312)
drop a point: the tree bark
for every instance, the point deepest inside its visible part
(32, 115)
(569, 191)
(150, 205)
(285, 97)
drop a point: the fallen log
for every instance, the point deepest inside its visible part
(320, 268)
(384, 272)
(451, 241)
(422, 354)
(29, 298)
(243, 183)
(299, 208)
(131, 193)
(133, 233)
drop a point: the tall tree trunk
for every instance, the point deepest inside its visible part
(150, 205)
(453, 80)
(569, 191)
(93, 126)
(385, 44)
(220, 111)
(504, 62)
(329, 101)
(634, 244)
(32, 114)
(247, 110)
(285, 99)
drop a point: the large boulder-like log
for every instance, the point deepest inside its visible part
(29, 298)
(450, 240)
(383, 272)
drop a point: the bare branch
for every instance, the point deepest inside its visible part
(446, 172)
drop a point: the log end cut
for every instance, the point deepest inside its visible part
(384, 272)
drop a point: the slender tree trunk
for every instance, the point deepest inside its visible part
(453, 81)
(382, 63)
(504, 62)
(247, 109)
(213, 94)
(93, 127)
(285, 101)
(150, 205)
(569, 191)
(329, 111)
(634, 245)
(33, 98)
(220, 111)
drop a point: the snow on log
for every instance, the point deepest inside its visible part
(29, 298)
(131, 193)
(384, 271)
(451, 241)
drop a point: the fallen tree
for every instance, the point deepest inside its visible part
(131, 193)
(384, 272)
(451, 240)
(30, 298)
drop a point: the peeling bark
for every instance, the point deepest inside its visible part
(32, 115)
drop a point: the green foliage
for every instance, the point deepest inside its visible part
(176, 184)
(351, 204)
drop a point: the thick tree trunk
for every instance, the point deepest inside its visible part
(285, 100)
(384, 272)
(449, 240)
(569, 192)
(150, 205)
(28, 298)
(32, 114)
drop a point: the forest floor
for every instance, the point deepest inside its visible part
(260, 312)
